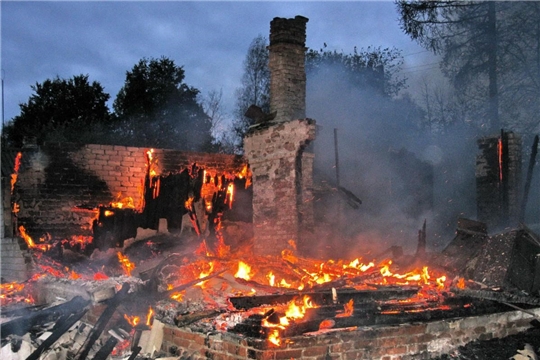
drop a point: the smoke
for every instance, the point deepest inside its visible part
(388, 162)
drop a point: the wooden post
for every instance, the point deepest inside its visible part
(532, 162)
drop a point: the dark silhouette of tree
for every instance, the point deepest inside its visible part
(490, 53)
(61, 110)
(373, 68)
(255, 89)
(157, 109)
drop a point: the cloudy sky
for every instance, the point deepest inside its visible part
(42, 40)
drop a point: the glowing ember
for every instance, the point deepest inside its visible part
(74, 276)
(127, 265)
(100, 276)
(244, 271)
(178, 296)
(14, 293)
(500, 157)
(80, 241)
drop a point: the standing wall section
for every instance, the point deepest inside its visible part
(62, 185)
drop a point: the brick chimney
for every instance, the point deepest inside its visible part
(287, 68)
(276, 150)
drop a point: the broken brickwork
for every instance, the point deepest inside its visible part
(62, 185)
(498, 179)
(282, 175)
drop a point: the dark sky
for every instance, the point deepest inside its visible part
(42, 40)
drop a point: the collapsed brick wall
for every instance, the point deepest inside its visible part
(282, 175)
(62, 184)
(287, 68)
(498, 180)
(406, 341)
(16, 262)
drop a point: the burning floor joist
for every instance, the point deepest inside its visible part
(169, 296)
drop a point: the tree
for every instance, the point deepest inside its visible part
(490, 52)
(157, 109)
(70, 110)
(212, 105)
(373, 68)
(255, 89)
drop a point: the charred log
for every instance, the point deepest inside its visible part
(61, 327)
(106, 349)
(103, 320)
(21, 326)
(324, 298)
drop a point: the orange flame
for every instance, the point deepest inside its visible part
(30, 242)
(244, 271)
(230, 193)
(178, 296)
(123, 203)
(348, 309)
(15, 171)
(132, 320)
(274, 338)
(127, 265)
(149, 316)
(27, 238)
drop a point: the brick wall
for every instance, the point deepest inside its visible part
(62, 184)
(403, 342)
(287, 68)
(281, 179)
(498, 202)
(16, 262)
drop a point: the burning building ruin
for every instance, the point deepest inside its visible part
(199, 255)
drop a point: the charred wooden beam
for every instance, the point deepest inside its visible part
(22, 325)
(183, 320)
(60, 328)
(106, 349)
(498, 296)
(421, 249)
(135, 352)
(532, 162)
(103, 320)
(325, 297)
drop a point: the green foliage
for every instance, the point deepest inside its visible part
(60, 110)
(157, 109)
